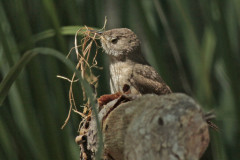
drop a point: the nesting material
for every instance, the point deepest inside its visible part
(85, 65)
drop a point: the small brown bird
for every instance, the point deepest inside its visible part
(128, 65)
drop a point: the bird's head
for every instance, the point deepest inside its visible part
(120, 42)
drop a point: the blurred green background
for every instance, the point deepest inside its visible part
(194, 45)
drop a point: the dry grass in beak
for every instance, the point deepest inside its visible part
(84, 65)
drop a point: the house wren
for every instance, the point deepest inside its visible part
(128, 66)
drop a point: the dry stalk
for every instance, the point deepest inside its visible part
(85, 66)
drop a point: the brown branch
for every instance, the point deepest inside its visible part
(152, 127)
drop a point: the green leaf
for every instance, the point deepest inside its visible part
(66, 30)
(13, 74)
(29, 55)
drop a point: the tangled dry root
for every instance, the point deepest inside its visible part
(85, 65)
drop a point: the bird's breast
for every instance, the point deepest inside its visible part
(120, 73)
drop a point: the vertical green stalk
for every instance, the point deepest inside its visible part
(54, 19)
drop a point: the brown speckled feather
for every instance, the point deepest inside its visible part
(146, 80)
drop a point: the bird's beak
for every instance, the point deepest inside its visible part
(95, 31)
(100, 32)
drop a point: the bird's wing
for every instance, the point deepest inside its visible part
(146, 80)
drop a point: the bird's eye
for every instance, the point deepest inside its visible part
(114, 40)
